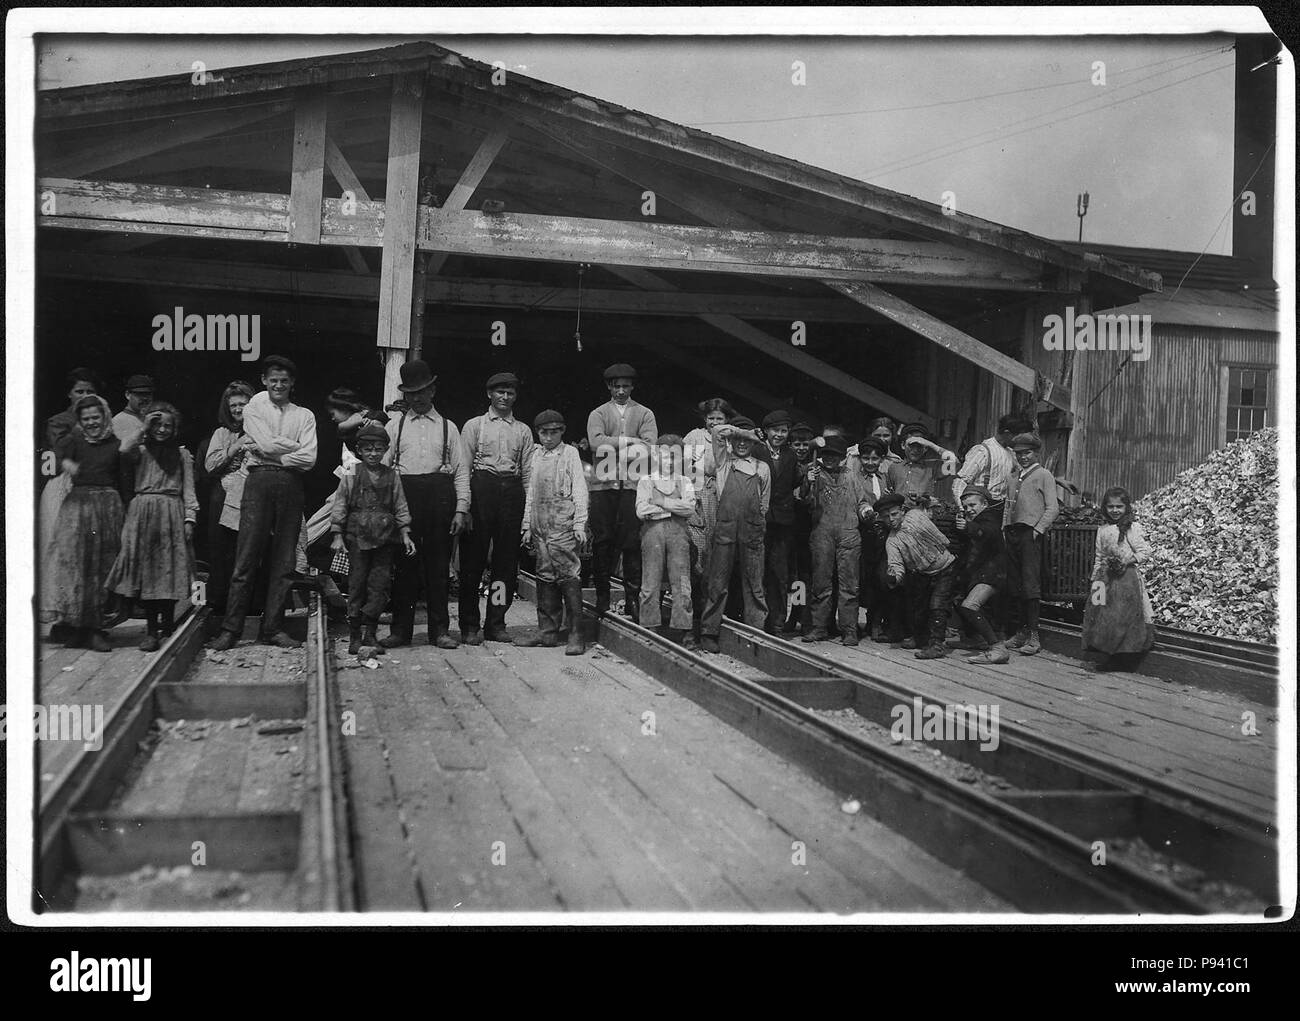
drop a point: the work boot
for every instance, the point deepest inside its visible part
(996, 654)
(166, 620)
(549, 611)
(849, 636)
(817, 634)
(368, 637)
(906, 643)
(632, 605)
(354, 635)
(934, 651)
(395, 639)
(571, 594)
(689, 641)
(447, 640)
(1032, 646)
(473, 637)
(500, 633)
(602, 597)
(98, 641)
(224, 641)
(709, 643)
(1019, 639)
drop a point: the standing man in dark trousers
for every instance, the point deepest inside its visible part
(784, 464)
(1030, 509)
(426, 452)
(280, 438)
(499, 451)
(621, 434)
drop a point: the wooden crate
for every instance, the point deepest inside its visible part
(1068, 553)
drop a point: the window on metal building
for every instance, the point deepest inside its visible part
(1249, 405)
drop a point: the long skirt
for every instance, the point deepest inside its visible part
(87, 542)
(1115, 619)
(52, 496)
(155, 560)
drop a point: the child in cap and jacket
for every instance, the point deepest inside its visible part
(555, 528)
(370, 518)
(665, 503)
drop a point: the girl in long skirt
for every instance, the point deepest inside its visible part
(82, 382)
(1118, 620)
(89, 526)
(155, 564)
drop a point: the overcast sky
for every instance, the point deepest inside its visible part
(1014, 129)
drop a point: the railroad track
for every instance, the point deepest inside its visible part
(1040, 843)
(96, 821)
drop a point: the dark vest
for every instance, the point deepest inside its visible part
(370, 522)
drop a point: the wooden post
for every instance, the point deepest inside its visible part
(401, 207)
(308, 177)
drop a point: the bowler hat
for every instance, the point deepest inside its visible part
(1026, 441)
(370, 431)
(620, 371)
(416, 375)
(503, 379)
(548, 417)
(140, 382)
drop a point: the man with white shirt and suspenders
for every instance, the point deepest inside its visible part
(426, 452)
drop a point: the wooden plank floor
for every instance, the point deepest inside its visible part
(505, 779)
(1183, 735)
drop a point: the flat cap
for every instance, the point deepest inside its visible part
(878, 447)
(503, 379)
(620, 371)
(548, 417)
(778, 417)
(835, 444)
(801, 431)
(741, 422)
(887, 501)
(279, 362)
(977, 491)
(915, 429)
(370, 431)
(140, 382)
(1026, 441)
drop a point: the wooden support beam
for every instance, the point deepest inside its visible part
(789, 354)
(961, 344)
(306, 190)
(170, 135)
(463, 190)
(349, 182)
(213, 213)
(401, 216)
(212, 274)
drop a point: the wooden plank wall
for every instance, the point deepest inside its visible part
(1160, 417)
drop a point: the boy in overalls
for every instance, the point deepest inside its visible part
(744, 488)
(555, 527)
(370, 509)
(839, 499)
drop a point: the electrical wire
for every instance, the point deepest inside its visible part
(946, 102)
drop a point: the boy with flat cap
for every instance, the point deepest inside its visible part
(837, 498)
(1030, 509)
(426, 453)
(620, 434)
(919, 558)
(784, 465)
(370, 520)
(499, 451)
(129, 422)
(744, 486)
(555, 527)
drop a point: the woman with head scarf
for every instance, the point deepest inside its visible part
(89, 526)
